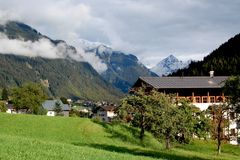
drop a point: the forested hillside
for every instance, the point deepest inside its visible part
(225, 61)
(63, 77)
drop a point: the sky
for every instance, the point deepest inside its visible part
(149, 29)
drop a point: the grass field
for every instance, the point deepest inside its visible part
(39, 137)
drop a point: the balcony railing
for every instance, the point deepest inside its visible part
(204, 99)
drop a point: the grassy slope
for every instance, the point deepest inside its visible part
(40, 137)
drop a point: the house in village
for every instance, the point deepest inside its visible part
(105, 113)
(50, 105)
(12, 110)
(202, 91)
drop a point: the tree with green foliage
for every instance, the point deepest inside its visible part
(232, 89)
(137, 109)
(186, 120)
(218, 114)
(162, 115)
(64, 100)
(58, 108)
(29, 96)
(5, 94)
(202, 124)
(172, 119)
(3, 106)
(165, 118)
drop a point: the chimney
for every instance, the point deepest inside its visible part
(211, 74)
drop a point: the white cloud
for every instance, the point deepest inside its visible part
(44, 48)
(155, 28)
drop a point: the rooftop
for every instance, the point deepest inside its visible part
(50, 105)
(185, 82)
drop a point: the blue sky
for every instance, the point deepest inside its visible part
(149, 29)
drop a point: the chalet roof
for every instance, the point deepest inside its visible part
(108, 107)
(50, 105)
(185, 82)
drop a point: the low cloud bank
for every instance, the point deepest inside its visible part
(46, 49)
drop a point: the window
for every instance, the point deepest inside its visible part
(212, 99)
(204, 99)
(198, 99)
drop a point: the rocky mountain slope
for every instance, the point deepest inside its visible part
(169, 65)
(122, 69)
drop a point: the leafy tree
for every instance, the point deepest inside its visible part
(3, 107)
(172, 119)
(28, 96)
(64, 100)
(162, 115)
(58, 108)
(219, 122)
(5, 94)
(232, 89)
(137, 109)
(202, 124)
(186, 120)
(164, 119)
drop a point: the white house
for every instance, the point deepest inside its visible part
(12, 110)
(106, 113)
(49, 105)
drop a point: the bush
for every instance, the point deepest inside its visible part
(3, 107)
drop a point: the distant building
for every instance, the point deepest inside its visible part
(12, 110)
(106, 113)
(49, 105)
(201, 91)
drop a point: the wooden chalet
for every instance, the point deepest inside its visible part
(203, 91)
(197, 89)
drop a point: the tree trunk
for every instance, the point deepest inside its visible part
(142, 132)
(219, 136)
(167, 140)
(142, 127)
(219, 146)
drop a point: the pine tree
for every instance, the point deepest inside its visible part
(5, 94)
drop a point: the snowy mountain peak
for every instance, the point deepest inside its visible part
(170, 59)
(169, 65)
(104, 49)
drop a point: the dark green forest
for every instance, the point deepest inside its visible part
(224, 61)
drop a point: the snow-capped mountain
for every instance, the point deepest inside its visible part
(122, 69)
(169, 65)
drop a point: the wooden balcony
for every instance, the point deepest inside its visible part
(204, 99)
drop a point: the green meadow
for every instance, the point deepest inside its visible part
(40, 137)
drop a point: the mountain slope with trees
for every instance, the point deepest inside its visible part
(63, 76)
(225, 61)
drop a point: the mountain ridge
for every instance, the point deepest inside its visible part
(169, 65)
(224, 61)
(123, 69)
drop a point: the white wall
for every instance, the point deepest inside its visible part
(204, 106)
(51, 113)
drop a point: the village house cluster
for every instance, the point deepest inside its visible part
(103, 111)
